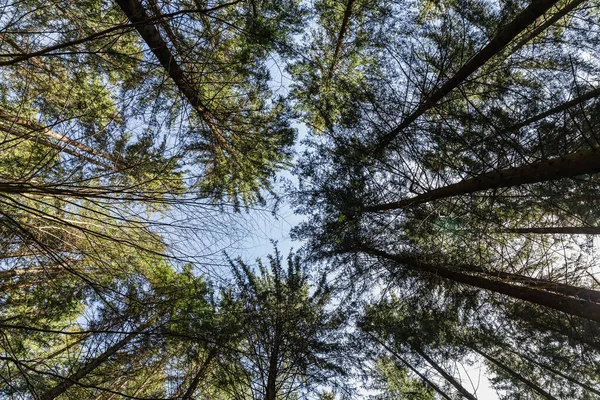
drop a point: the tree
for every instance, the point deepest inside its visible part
(289, 342)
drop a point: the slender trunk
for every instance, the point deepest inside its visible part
(558, 109)
(557, 327)
(56, 146)
(514, 373)
(549, 22)
(566, 230)
(570, 165)
(199, 375)
(30, 271)
(74, 378)
(446, 375)
(413, 369)
(568, 305)
(340, 38)
(557, 372)
(33, 129)
(536, 9)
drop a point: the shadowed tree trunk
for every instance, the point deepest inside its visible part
(449, 378)
(74, 378)
(568, 305)
(536, 9)
(514, 373)
(570, 165)
(413, 369)
(340, 37)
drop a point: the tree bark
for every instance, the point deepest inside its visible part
(568, 305)
(570, 165)
(549, 22)
(557, 372)
(567, 290)
(136, 13)
(536, 9)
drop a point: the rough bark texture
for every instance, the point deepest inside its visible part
(138, 16)
(536, 9)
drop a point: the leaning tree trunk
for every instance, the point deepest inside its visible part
(568, 305)
(340, 37)
(570, 165)
(557, 372)
(82, 372)
(449, 378)
(558, 230)
(536, 9)
(514, 374)
(413, 369)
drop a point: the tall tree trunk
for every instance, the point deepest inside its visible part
(549, 22)
(570, 165)
(556, 287)
(449, 378)
(555, 110)
(340, 37)
(557, 372)
(33, 130)
(566, 230)
(271, 389)
(199, 375)
(413, 369)
(514, 373)
(568, 305)
(536, 9)
(135, 12)
(89, 367)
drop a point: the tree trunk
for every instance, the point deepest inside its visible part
(568, 305)
(89, 367)
(340, 38)
(536, 9)
(446, 375)
(549, 22)
(515, 374)
(271, 392)
(199, 375)
(557, 372)
(137, 15)
(413, 369)
(559, 230)
(570, 165)
(567, 290)
(560, 108)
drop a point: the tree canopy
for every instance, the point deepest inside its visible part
(440, 161)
